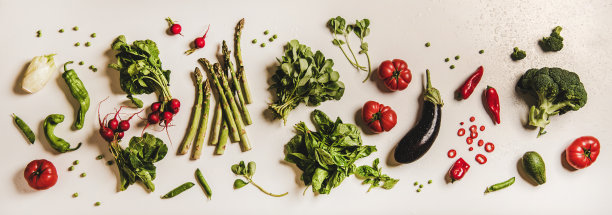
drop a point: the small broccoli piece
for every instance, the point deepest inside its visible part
(518, 54)
(557, 91)
(554, 42)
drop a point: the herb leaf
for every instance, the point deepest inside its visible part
(372, 175)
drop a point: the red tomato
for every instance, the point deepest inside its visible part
(378, 116)
(395, 74)
(40, 174)
(582, 152)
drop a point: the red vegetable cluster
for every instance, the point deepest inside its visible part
(163, 116)
(113, 129)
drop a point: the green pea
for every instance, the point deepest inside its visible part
(83, 175)
(457, 57)
(429, 182)
(76, 162)
(99, 157)
(421, 186)
(266, 32)
(254, 41)
(452, 66)
(75, 195)
(263, 45)
(81, 63)
(93, 35)
(38, 33)
(275, 36)
(97, 204)
(427, 44)
(75, 28)
(178, 190)
(61, 30)
(87, 44)
(271, 39)
(70, 168)
(446, 59)
(416, 183)
(481, 51)
(109, 163)
(418, 190)
(77, 44)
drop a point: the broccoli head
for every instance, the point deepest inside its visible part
(554, 42)
(518, 54)
(557, 91)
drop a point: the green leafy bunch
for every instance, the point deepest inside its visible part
(303, 76)
(136, 162)
(338, 27)
(374, 177)
(326, 156)
(140, 69)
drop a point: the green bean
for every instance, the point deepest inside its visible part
(500, 185)
(25, 129)
(56, 143)
(78, 91)
(178, 190)
(203, 183)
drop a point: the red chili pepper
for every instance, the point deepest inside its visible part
(458, 170)
(493, 102)
(471, 83)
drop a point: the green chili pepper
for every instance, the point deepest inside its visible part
(56, 143)
(178, 190)
(78, 91)
(25, 129)
(203, 183)
(500, 186)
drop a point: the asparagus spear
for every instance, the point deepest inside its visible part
(224, 102)
(220, 149)
(239, 64)
(230, 67)
(214, 138)
(245, 145)
(197, 148)
(195, 119)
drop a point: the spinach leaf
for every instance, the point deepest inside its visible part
(326, 156)
(136, 162)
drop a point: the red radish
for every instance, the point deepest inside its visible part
(174, 104)
(153, 118)
(167, 116)
(120, 135)
(199, 42)
(113, 124)
(174, 28)
(107, 134)
(124, 125)
(155, 106)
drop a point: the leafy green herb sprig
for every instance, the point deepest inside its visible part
(374, 177)
(361, 28)
(247, 172)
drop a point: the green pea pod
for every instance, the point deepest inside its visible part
(25, 129)
(500, 185)
(78, 91)
(56, 143)
(178, 190)
(203, 183)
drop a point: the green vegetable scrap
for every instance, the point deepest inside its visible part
(554, 42)
(78, 91)
(247, 172)
(27, 131)
(59, 144)
(178, 190)
(557, 91)
(518, 54)
(140, 69)
(361, 28)
(326, 156)
(136, 162)
(303, 77)
(500, 185)
(374, 177)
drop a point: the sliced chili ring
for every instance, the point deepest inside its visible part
(451, 153)
(461, 132)
(489, 147)
(481, 159)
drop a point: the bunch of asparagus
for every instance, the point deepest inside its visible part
(231, 113)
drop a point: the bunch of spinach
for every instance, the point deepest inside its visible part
(140, 69)
(303, 77)
(338, 26)
(326, 156)
(136, 162)
(374, 177)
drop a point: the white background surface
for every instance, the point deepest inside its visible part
(399, 30)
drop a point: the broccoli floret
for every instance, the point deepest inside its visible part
(518, 54)
(557, 91)
(554, 42)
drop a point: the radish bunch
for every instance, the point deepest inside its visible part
(163, 116)
(113, 129)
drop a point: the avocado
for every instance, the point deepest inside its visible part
(534, 166)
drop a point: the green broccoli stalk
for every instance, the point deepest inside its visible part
(557, 90)
(554, 42)
(518, 54)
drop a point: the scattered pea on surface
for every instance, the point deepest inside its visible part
(481, 51)
(87, 44)
(38, 33)
(99, 157)
(457, 57)
(446, 59)
(416, 183)
(266, 32)
(421, 186)
(77, 44)
(97, 204)
(75, 28)
(75, 195)
(76, 162)
(263, 45)
(93, 35)
(83, 175)
(61, 30)
(418, 190)
(429, 182)
(427, 44)
(452, 66)
(275, 36)
(271, 39)
(109, 163)
(81, 63)
(70, 168)
(254, 41)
